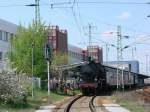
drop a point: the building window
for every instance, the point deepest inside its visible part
(1, 35)
(5, 36)
(0, 55)
(11, 36)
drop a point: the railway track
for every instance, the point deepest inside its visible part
(81, 104)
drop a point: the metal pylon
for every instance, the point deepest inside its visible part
(37, 12)
(119, 44)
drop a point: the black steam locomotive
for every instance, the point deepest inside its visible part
(92, 76)
(96, 77)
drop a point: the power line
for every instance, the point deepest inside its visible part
(90, 27)
(21, 5)
(110, 2)
(103, 2)
(74, 2)
(80, 22)
(85, 3)
(127, 28)
(12, 5)
(75, 19)
(114, 25)
(37, 12)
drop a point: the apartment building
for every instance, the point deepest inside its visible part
(7, 31)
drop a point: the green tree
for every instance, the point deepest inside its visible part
(59, 59)
(21, 55)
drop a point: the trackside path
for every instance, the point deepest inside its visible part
(114, 108)
(104, 104)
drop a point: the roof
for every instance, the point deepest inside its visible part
(8, 26)
(143, 76)
(139, 75)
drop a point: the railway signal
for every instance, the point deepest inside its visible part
(48, 57)
(48, 51)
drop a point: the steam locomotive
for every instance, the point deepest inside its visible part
(95, 76)
(92, 76)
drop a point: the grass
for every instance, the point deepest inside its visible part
(41, 98)
(130, 101)
(77, 91)
(15, 108)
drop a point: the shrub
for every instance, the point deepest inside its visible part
(11, 90)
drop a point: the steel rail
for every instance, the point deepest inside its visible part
(67, 109)
(91, 105)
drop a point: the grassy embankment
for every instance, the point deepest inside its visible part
(40, 98)
(131, 101)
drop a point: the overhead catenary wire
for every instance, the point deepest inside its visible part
(130, 29)
(59, 5)
(102, 2)
(114, 25)
(73, 12)
(81, 24)
(82, 3)
(74, 2)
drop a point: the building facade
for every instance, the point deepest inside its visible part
(75, 54)
(85, 55)
(7, 31)
(96, 53)
(59, 39)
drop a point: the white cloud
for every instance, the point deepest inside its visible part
(124, 15)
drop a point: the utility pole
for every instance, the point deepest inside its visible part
(122, 75)
(37, 21)
(48, 77)
(147, 63)
(119, 52)
(37, 12)
(117, 77)
(33, 69)
(119, 44)
(133, 52)
(107, 50)
(90, 27)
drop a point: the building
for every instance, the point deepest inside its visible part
(75, 54)
(96, 53)
(85, 55)
(125, 65)
(59, 39)
(7, 31)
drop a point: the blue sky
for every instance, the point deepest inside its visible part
(105, 17)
